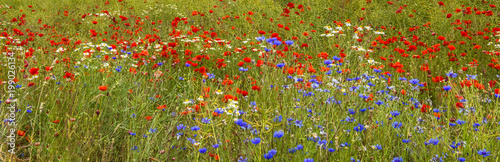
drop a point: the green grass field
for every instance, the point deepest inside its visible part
(258, 80)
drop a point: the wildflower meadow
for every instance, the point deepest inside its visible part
(250, 80)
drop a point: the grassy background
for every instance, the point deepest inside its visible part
(105, 136)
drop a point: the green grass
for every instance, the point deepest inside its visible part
(95, 125)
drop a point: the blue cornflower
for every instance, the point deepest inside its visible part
(243, 69)
(451, 74)
(309, 160)
(272, 152)
(278, 118)
(345, 144)
(205, 121)
(255, 140)
(483, 152)
(414, 81)
(406, 140)
(299, 147)
(219, 111)
(181, 127)
(278, 134)
(353, 88)
(359, 128)
(289, 42)
(349, 119)
(203, 150)
(241, 159)
(395, 113)
(397, 159)
(195, 128)
(331, 150)
(299, 123)
(461, 159)
(271, 40)
(379, 102)
(447, 88)
(268, 156)
(460, 122)
(328, 62)
(433, 141)
(471, 77)
(277, 42)
(280, 65)
(352, 111)
(454, 145)
(260, 38)
(378, 147)
(397, 125)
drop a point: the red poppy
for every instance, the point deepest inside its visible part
(256, 88)
(21, 133)
(247, 59)
(451, 47)
(68, 75)
(244, 93)
(34, 71)
(160, 107)
(103, 88)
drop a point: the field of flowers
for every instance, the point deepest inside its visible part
(250, 80)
